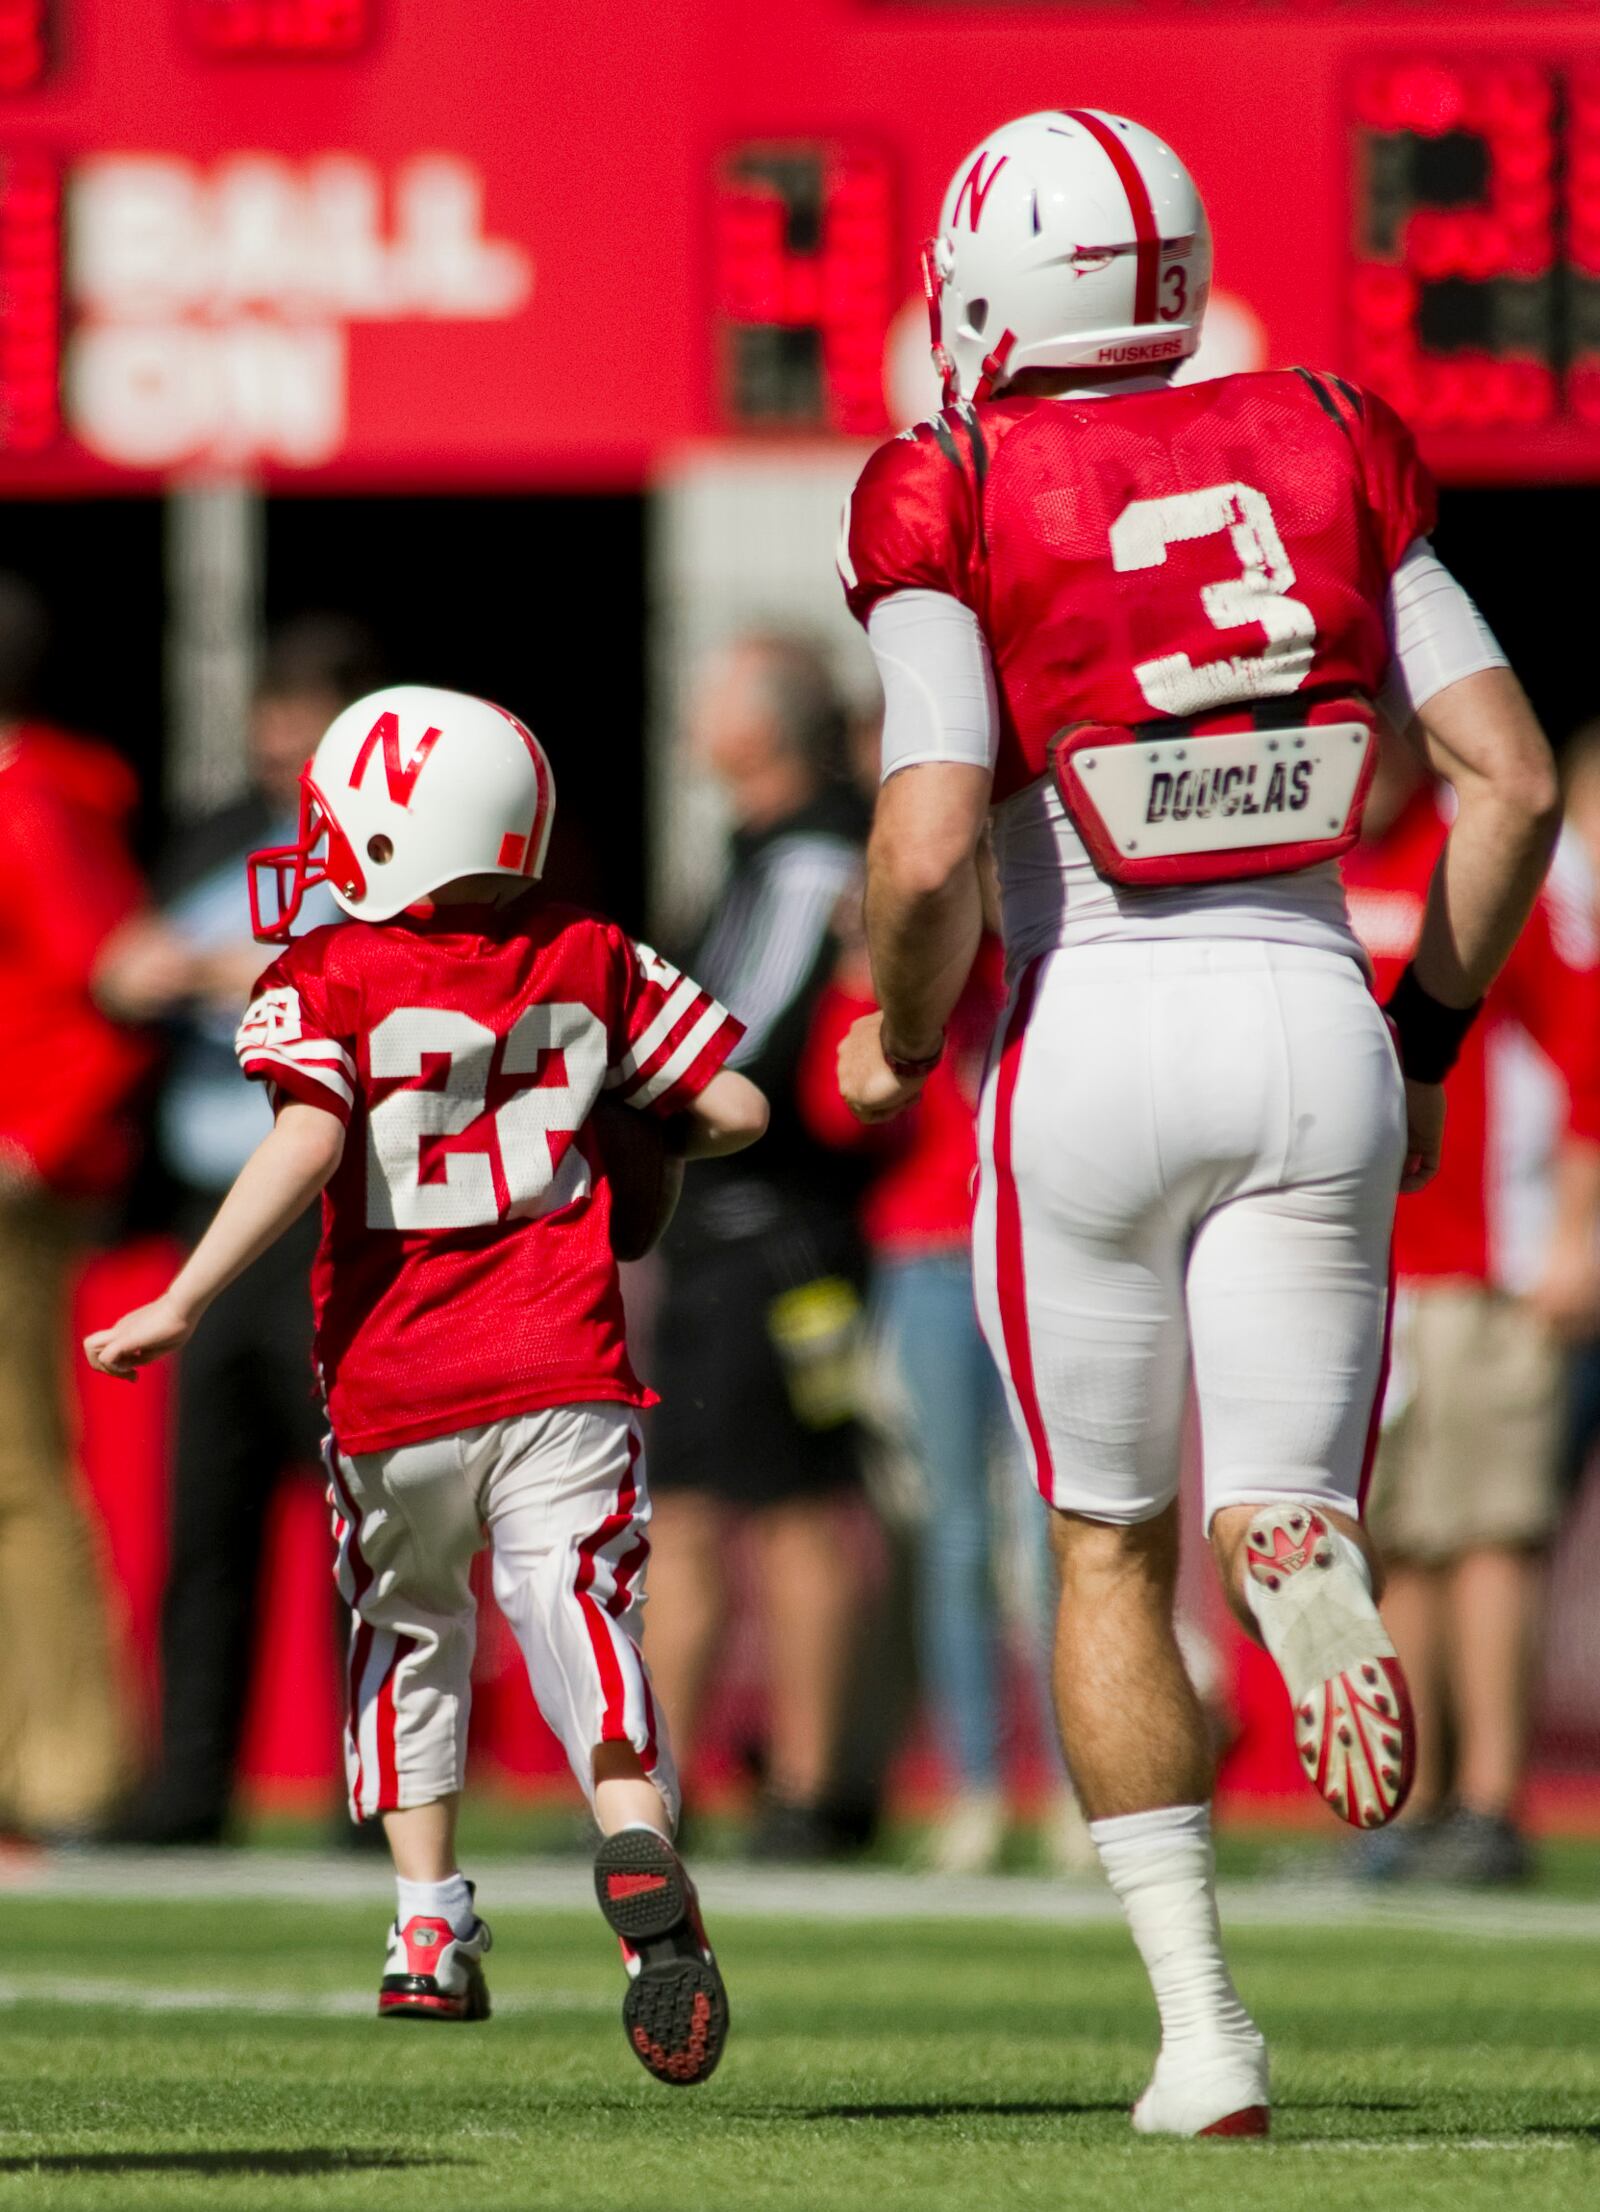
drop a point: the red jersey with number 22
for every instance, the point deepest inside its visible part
(1156, 553)
(465, 1272)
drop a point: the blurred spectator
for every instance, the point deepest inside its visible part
(66, 1081)
(1498, 1266)
(917, 1219)
(761, 1270)
(1579, 861)
(247, 1412)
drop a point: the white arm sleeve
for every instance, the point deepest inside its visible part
(1436, 634)
(938, 684)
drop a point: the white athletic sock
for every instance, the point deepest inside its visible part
(1162, 1868)
(449, 1900)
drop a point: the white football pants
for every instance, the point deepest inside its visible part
(559, 1498)
(1190, 1151)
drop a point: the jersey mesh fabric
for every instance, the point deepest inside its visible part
(465, 1271)
(1010, 506)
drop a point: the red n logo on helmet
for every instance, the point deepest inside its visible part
(973, 183)
(400, 776)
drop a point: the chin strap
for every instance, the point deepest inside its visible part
(994, 366)
(933, 291)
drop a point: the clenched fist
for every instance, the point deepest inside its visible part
(867, 1083)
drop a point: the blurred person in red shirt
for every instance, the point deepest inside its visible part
(916, 1216)
(1497, 1266)
(1580, 855)
(67, 1082)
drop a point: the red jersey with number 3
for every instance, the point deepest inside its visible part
(1155, 553)
(465, 1272)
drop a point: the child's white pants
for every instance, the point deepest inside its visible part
(559, 1498)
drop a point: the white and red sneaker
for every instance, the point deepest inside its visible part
(1353, 1723)
(1208, 2089)
(432, 1973)
(676, 2008)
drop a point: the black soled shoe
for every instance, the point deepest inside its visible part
(676, 2008)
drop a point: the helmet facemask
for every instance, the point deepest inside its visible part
(320, 854)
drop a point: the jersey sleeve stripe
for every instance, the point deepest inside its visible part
(683, 1061)
(684, 994)
(966, 415)
(695, 1001)
(300, 1079)
(1325, 399)
(1147, 239)
(1352, 394)
(945, 439)
(325, 1051)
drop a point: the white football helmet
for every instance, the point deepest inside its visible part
(1070, 239)
(409, 789)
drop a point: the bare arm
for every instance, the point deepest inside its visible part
(1481, 735)
(273, 1188)
(924, 920)
(729, 1114)
(1483, 738)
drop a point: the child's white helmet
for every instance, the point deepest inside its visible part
(409, 789)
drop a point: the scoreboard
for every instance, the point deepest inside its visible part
(484, 242)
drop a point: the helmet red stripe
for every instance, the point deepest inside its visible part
(543, 795)
(1147, 238)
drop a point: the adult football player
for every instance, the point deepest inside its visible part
(438, 1062)
(1141, 631)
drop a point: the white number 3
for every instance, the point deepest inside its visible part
(518, 1136)
(1259, 593)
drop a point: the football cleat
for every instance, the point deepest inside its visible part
(1353, 1724)
(676, 2008)
(431, 1973)
(1218, 2089)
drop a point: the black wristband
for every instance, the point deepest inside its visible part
(1428, 1034)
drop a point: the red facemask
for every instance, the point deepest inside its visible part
(321, 853)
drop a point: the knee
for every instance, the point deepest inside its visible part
(1089, 1553)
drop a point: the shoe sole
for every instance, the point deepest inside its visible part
(675, 2012)
(419, 1997)
(1355, 1732)
(1254, 2119)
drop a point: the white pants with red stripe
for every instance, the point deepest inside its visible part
(559, 1498)
(1190, 1150)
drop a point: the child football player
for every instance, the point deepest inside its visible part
(443, 1066)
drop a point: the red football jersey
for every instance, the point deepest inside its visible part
(1157, 553)
(465, 1271)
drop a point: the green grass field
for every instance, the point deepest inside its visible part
(218, 2054)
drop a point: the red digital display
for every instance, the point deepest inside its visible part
(1471, 256)
(286, 28)
(807, 278)
(24, 44)
(1583, 242)
(30, 304)
(343, 243)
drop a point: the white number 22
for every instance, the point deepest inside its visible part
(397, 1197)
(1259, 593)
